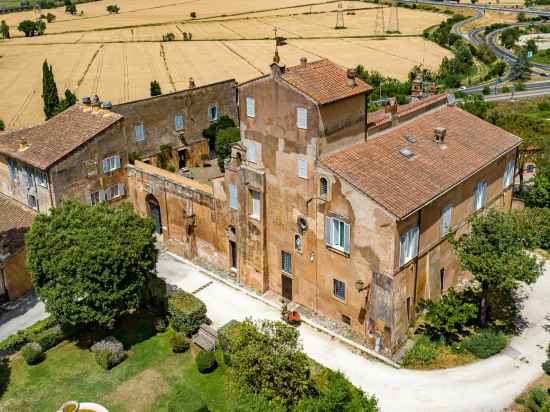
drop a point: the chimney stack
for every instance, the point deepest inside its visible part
(192, 84)
(303, 62)
(351, 78)
(23, 144)
(277, 70)
(439, 135)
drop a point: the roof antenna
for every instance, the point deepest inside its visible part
(279, 41)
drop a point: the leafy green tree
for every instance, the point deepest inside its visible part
(494, 252)
(448, 318)
(4, 30)
(499, 68)
(2, 125)
(521, 69)
(50, 18)
(538, 195)
(68, 101)
(155, 88)
(70, 8)
(224, 139)
(163, 156)
(337, 394)
(268, 360)
(475, 104)
(28, 27)
(113, 8)
(40, 27)
(532, 46)
(49, 90)
(224, 122)
(91, 264)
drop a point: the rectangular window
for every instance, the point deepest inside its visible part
(446, 216)
(233, 203)
(33, 202)
(111, 164)
(480, 195)
(12, 165)
(302, 168)
(42, 178)
(286, 262)
(301, 118)
(337, 234)
(139, 132)
(251, 152)
(114, 192)
(508, 178)
(250, 107)
(178, 122)
(530, 168)
(339, 289)
(29, 177)
(256, 209)
(97, 197)
(213, 114)
(408, 246)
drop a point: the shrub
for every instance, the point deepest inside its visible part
(422, 353)
(160, 325)
(486, 343)
(32, 353)
(15, 342)
(193, 15)
(224, 140)
(227, 335)
(206, 361)
(108, 352)
(50, 337)
(448, 318)
(186, 312)
(486, 90)
(537, 401)
(546, 367)
(179, 342)
(186, 400)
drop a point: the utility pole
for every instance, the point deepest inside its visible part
(379, 28)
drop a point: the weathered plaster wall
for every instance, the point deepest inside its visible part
(16, 277)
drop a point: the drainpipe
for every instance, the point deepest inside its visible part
(413, 311)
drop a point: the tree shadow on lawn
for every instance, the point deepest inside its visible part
(130, 330)
(5, 375)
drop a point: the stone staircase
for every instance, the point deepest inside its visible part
(206, 337)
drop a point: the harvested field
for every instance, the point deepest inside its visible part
(118, 64)
(490, 18)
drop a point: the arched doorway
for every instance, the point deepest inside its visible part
(154, 211)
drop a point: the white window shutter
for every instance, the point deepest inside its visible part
(106, 165)
(121, 189)
(102, 196)
(251, 152)
(301, 115)
(414, 242)
(117, 162)
(250, 107)
(302, 168)
(402, 249)
(233, 196)
(328, 231)
(347, 234)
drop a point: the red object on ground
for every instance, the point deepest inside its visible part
(293, 316)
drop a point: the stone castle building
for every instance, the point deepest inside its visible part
(345, 212)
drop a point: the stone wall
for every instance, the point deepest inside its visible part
(16, 277)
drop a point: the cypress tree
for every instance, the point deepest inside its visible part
(49, 91)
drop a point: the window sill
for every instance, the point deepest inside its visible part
(338, 251)
(287, 274)
(336, 298)
(254, 217)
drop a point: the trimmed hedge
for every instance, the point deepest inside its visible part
(187, 400)
(32, 353)
(206, 361)
(186, 312)
(486, 343)
(50, 337)
(226, 334)
(15, 342)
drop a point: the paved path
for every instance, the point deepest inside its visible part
(28, 311)
(488, 385)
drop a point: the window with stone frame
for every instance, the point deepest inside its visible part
(339, 289)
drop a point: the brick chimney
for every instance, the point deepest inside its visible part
(439, 135)
(350, 78)
(192, 84)
(277, 70)
(303, 62)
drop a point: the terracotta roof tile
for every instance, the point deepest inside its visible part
(59, 136)
(323, 81)
(402, 185)
(15, 220)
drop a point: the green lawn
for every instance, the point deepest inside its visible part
(146, 381)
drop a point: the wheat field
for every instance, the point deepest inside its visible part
(102, 54)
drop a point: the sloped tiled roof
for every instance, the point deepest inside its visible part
(15, 220)
(323, 81)
(402, 185)
(59, 136)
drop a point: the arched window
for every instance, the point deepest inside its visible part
(323, 187)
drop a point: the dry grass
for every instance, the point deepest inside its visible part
(490, 18)
(141, 391)
(119, 64)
